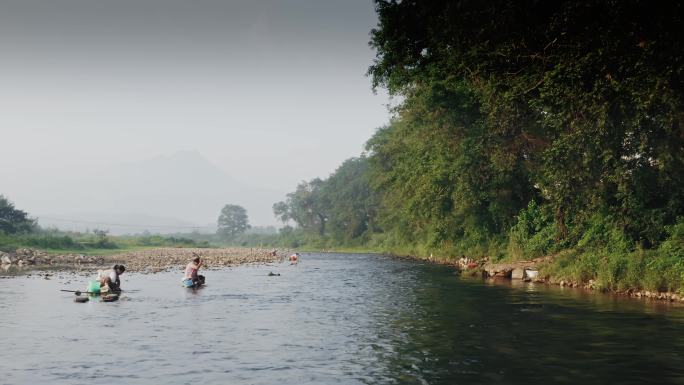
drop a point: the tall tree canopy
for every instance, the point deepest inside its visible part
(343, 206)
(576, 104)
(523, 127)
(305, 206)
(232, 221)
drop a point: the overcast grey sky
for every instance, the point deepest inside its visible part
(271, 92)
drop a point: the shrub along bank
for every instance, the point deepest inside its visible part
(523, 129)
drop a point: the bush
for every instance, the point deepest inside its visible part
(533, 234)
(604, 256)
(666, 267)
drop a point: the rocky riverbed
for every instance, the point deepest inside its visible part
(150, 260)
(163, 258)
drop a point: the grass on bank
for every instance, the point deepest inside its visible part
(92, 244)
(660, 270)
(600, 250)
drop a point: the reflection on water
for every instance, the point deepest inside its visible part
(351, 319)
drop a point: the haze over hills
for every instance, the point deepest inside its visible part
(180, 192)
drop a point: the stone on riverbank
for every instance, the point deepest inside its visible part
(531, 274)
(518, 273)
(505, 270)
(514, 270)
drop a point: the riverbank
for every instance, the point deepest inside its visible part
(560, 270)
(548, 270)
(144, 260)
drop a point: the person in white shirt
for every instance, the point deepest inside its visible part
(110, 278)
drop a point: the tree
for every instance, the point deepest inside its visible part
(305, 206)
(351, 202)
(232, 221)
(343, 206)
(12, 220)
(579, 105)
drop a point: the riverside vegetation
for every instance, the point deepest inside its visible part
(522, 130)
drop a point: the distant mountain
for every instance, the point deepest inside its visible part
(181, 189)
(121, 223)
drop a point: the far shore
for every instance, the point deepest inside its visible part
(144, 260)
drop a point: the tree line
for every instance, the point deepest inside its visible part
(18, 229)
(525, 128)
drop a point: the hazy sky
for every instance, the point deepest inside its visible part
(271, 92)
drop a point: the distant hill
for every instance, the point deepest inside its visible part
(179, 190)
(121, 223)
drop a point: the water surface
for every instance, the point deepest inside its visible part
(333, 319)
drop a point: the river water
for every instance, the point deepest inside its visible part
(333, 319)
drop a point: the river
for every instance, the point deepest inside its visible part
(333, 319)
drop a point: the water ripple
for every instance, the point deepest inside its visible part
(333, 319)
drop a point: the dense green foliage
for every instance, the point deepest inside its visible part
(339, 210)
(232, 221)
(574, 104)
(526, 128)
(13, 220)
